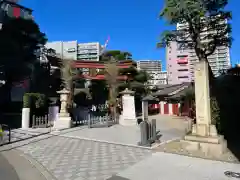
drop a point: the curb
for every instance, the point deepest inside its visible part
(41, 169)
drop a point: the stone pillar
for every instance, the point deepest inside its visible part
(170, 107)
(162, 107)
(145, 110)
(128, 117)
(204, 134)
(64, 120)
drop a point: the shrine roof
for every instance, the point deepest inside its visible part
(170, 90)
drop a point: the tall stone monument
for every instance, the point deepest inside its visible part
(64, 120)
(128, 117)
(204, 134)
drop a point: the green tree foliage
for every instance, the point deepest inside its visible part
(116, 54)
(200, 16)
(20, 43)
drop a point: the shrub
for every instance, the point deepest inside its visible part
(34, 99)
(215, 113)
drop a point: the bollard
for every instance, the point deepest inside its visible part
(46, 121)
(144, 134)
(154, 130)
(37, 121)
(33, 121)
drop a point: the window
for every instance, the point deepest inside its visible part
(71, 50)
(182, 77)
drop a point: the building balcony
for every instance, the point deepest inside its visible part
(182, 61)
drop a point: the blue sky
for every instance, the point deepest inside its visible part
(132, 25)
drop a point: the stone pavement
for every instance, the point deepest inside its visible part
(163, 166)
(171, 128)
(76, 159)
(67, 156)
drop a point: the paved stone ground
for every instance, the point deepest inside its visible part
(171, 167)
(170, 127)
(75, 159)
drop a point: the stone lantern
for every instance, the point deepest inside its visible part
(64, 120)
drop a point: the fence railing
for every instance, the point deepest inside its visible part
(41, 121)
(149, 133)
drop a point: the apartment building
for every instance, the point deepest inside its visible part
(180, 62)
(76, 51)
(154, 69)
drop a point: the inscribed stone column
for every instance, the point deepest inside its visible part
(204, 135)
(202, 98)
(128, 117)
(64, 120)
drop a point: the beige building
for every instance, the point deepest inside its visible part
(77, 51)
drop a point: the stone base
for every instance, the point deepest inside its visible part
(204, 130)
(63, 122)
(209, 145)
(127, 122)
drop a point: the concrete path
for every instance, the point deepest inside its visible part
(171, 167)
(14, 166)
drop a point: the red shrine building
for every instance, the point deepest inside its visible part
(9, 8)
(92, 69)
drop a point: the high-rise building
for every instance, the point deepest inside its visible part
(154, 69)
(76, 51)
(180, 61)
(89, 51)
(149, 65)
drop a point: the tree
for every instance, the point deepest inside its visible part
(116, 54)
(20, 45)
(111, 75)
(205, 25)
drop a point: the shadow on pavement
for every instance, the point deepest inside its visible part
(117, 178)
(50, 135)
(7, 171)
